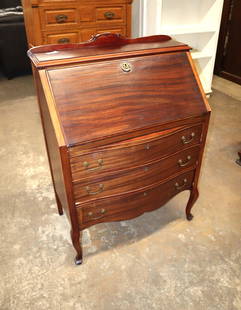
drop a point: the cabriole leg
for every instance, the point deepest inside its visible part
(76, 241)
(192, 199)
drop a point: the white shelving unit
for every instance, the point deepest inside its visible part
(195, 22)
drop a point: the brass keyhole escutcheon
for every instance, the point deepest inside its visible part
(126, 67)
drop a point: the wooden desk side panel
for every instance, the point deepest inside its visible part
(32, 22)
(53, 149)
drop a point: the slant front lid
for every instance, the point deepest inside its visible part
(110, 97)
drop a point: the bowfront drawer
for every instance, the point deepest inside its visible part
(131, 153)
(131, 205)
(110, 15)
(134, 179)
(59, 18)
(63, 38)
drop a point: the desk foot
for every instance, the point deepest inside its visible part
(192, 199)
(238, 161)
(189, 216)
(78, 260)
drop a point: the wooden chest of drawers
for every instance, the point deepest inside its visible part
(125, 123)
(73, 21)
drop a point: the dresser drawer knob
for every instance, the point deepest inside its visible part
(61, 18)
(147, 147)
(109, 15)
(182, 163)
(63, 40)
(181, 186)
(188, 140)
(101, 188)
(100, 162)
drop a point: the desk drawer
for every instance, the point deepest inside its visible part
(59, 18)
(119, 30)
(134, 179)
(134, 152)
(109, 15)
(128, 206)
(62, 38)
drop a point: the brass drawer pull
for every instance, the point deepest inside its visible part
(181, 186)
(182, 163)
(186, 140)
(102, 211)
(63, 40)
(109, 15)
(101, 188)
(100, 165)
(61, 18)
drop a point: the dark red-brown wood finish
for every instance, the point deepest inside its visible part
(125, 123)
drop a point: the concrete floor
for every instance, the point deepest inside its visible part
(157, 261)
(227, 87)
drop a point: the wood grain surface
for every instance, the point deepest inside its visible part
(100, 100)
(103, 46)
(133, 152)
(129, 206)
(129, 180)
(85, 18)
(125, 126)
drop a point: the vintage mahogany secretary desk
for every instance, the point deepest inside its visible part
(73, 21)
(125, 123)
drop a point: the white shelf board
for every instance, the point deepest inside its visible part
(194, 22)
(198, 54)
(185, 29)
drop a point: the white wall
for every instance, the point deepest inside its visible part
(136, 19)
